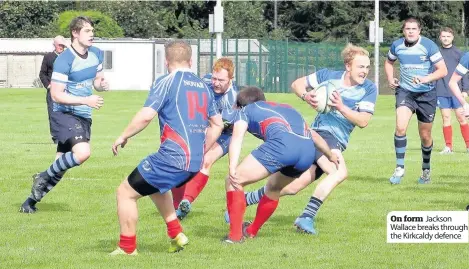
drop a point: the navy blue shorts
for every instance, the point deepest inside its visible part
(421, 103)
(71, 129)
(451, 102)
(162, 176)
(332, 142)
(288, 153)
(224, 142)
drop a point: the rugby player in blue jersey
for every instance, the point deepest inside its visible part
(354, 104)
(288, 151)
(421, 64)
(76, 72)
(220, 81)
(189, 125)
(458, 74)
(446, 99)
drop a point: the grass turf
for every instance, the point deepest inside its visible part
(76, 225)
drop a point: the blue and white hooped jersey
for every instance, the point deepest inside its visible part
(78, 75)
(463, 65)
(267, 119)
(361, 98)
(184, 103)
(417, 60)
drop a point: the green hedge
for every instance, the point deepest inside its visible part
(104, 25)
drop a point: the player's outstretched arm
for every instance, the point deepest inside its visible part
(59, 95)
(138, 123)
(239, 129)
(213, 131)
(453, 85)
(321, 144)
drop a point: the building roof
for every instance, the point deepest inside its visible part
(232, 45)
(44, 45)
(243, 46)
(26, 45)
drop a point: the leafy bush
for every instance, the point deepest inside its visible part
(104, 25)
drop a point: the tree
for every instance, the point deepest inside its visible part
(298, 20)
(141, 19)
(183, 20)
(245, 20)
(104, 25)
(28, 19)
(392, 30)
(448, 15)
(138, 19)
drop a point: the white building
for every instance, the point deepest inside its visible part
(129, 64)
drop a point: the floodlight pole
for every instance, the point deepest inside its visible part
(219, 37)
(275, 14)
(377, 44)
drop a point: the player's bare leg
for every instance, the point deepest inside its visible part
(127, 210)
(127, 213)
(306, 221)
(82, 151)
(309, 177)
(298, 184)
(213, 155)
(325, 187)
(164, 204)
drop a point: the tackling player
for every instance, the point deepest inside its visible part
(185, 108)
(287, 152)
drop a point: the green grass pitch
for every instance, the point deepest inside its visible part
(76, 225)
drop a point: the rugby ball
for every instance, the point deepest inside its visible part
(323, 94)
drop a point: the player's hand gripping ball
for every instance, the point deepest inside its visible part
(323, 93)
